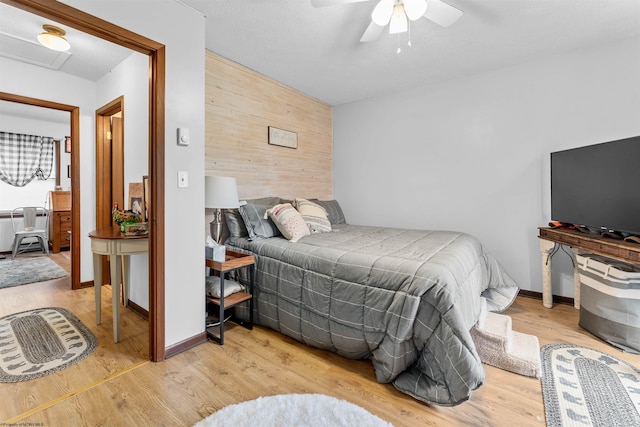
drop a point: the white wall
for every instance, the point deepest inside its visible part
(182, 31)
(473, 154)
(131, 80)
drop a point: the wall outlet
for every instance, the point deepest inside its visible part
(183, 179)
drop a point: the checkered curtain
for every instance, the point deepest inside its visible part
(25, 157)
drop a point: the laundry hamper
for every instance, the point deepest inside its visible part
(610, 301)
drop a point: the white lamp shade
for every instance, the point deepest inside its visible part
(220, 192)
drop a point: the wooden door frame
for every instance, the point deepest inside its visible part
(105, 30)
(105, 177)
(74, 119)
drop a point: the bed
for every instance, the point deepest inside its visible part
(405, 299)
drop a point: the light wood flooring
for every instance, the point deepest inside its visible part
(117, 386)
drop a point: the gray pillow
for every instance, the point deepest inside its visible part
(235, 223)
(334, 211)
(257, 225)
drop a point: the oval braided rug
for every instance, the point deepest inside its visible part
(584, 387)
(40, 342)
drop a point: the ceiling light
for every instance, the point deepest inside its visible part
(53, 38)
(398, 22)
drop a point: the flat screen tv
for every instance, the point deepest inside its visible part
(598, 186)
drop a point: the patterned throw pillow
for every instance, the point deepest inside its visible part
(289, 221)
(314, 215)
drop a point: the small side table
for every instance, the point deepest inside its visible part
(234, 261)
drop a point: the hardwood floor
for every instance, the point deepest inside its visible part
(117, 386)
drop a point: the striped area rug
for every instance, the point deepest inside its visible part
(40, 342)
(584, 387)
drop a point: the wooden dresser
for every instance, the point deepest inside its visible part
(60, 220)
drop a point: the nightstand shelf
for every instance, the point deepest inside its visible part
(234, 261)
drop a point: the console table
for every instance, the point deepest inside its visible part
(111, 242)
(580, 242)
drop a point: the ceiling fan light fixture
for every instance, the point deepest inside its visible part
(382, 12)
(53, 38)
(399, 22)
(415, 9)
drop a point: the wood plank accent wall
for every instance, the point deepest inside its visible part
(241, 104)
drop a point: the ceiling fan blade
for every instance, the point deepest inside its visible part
(415, 9)
(442, 13)
(372, 32)
(383, 12)
(324, 3)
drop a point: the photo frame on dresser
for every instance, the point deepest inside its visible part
(136, 197)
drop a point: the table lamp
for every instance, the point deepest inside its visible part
(219, 193)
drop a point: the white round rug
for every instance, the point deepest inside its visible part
(299, 410)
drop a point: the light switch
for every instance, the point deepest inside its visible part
(183, 136)
(183, 179)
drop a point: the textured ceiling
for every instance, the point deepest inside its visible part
(89, 57)
(317, 50)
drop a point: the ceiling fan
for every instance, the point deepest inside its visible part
(397, 13)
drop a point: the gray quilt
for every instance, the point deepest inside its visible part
(406, 299)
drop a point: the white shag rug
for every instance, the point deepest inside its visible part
(299, 410)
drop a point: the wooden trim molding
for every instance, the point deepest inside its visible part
(138, 309)
(186, 344)
(57, 160)
(538, 295)
(105, 30)
(156, 209)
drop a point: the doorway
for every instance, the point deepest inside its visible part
(95, 26)
(109, 168)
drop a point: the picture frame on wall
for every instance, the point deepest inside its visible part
(67, 144)
(283, 138)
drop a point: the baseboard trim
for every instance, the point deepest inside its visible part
(538, 295)
(144, 313)
(178, 348)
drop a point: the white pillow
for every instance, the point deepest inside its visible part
(314, 215)
(213, 287)
(289, 221)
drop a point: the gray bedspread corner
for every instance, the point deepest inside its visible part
(406, 299)
(502, 290)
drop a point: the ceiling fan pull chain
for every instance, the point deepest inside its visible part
(398, 50)
(409, 34)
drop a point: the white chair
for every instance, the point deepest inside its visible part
(30, 230)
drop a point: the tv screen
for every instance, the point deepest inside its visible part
(598, 186)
